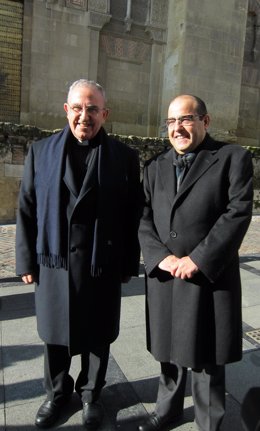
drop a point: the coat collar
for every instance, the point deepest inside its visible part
(89, 182)
(206, 157)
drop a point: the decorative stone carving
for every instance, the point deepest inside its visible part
(156, 21)
(120, 48)
(99, 6)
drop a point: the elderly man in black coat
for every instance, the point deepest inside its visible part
(77, 240)
(198, 203)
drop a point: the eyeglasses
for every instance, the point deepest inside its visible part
(184, 120)
(90, 109)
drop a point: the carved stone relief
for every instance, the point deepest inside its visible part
(102, 6)
(120, 48)
(156, 22)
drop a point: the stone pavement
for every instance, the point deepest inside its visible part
(132, 376)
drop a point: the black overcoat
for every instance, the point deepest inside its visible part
(196, 321)
(72, 307)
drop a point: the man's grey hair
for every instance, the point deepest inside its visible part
(86, 83)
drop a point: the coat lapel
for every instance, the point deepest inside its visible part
(68, 178)
(90, 179)
(167, 175)
(204, 160)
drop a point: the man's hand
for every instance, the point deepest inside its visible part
(184, 268)
(167, 263)
(28, 278)
(180, 268)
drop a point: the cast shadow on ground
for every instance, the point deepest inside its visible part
(17, 306)
(19, 353)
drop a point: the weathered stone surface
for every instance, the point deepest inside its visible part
(13, 152)
(144, 53)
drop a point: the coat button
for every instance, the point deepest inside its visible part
(173, 234)
(73, 249)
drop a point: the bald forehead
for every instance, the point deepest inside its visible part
(187, 101)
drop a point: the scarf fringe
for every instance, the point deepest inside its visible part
(58, 262)
(52, 261)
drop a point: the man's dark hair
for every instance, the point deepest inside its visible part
(201, 106)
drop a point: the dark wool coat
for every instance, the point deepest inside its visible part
(196, 321)
(72, 307)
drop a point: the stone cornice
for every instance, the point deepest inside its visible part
(97, 20)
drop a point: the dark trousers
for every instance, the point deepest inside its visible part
(91, 379)
(208, 392)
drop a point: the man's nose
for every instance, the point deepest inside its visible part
(177, 125)
(84, 112)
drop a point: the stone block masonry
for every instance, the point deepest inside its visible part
(16, 139)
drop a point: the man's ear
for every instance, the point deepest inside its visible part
(105, 113)
(206, 120)
(66, 107)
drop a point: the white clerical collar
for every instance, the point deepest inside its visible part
(83, 143)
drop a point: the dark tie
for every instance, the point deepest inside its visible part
(183, 164)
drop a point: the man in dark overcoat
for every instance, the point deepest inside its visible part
(77, 240)
(198, 203)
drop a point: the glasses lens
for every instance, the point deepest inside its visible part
(170, 122)
(91, 110)
(187, 121)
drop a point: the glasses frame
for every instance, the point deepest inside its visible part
(91, 109)
(189, 118)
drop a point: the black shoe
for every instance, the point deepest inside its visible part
(153, 423)
(92, 415)
(47, 414)
(156, 423)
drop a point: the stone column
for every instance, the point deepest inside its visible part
(155, 26)
(205, 50)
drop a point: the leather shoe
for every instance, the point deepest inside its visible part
(47, 414)
(156, 423)
(92, 415)
(153, 423)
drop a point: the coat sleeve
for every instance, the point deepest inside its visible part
(26, 226)
(221, 245)
(154, 251)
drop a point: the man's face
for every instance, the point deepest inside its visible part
(185, 138)
(86, 112)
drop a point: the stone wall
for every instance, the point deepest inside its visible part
(120, 44)
(16, 139)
